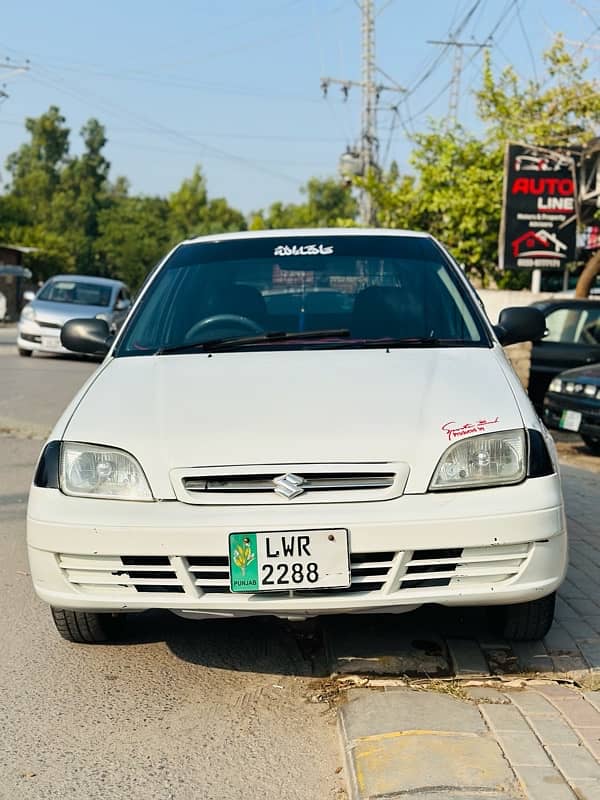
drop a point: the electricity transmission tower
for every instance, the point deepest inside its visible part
(365, 159)
(456, 72)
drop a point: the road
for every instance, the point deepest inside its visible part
(184, 710)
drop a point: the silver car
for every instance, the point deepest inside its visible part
(65, 297)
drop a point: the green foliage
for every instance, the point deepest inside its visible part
(329, 204)
(456, 190)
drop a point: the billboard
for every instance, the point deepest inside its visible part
(538, 229)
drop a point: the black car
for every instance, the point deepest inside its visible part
(572, 340)
(573, 403)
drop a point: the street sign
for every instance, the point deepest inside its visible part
(539, 208)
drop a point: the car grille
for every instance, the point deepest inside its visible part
(48, 324)
(454, 566)
(317, 484)
(194, 576)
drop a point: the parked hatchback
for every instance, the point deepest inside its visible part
(364, 447)
(572, 340)
(572, 403)
(62, 298)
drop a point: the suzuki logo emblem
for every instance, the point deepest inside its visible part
(289, 485)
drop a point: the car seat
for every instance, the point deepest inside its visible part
(386, 312)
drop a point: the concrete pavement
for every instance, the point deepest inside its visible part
(538, 738)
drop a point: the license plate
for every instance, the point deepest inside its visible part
(570, 420)
(51, 342)
(286, 560)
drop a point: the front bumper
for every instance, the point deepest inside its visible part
(38, 338)
(483, 547)
(589, 409)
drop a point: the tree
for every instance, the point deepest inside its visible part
(328, 204)
(456, 190)
(133, 235)
(191, 213)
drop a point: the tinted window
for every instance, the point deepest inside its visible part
(574, 326)
(82, 294)
(373, 288)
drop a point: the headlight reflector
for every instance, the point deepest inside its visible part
(556, 385)
(490, 459)
(28, 313)
(88, 470)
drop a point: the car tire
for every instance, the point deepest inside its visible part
(86, 627)
(24, 353)
(592, 444)
(524, 622)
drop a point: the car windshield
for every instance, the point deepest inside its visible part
(299, 293)
(76, 292)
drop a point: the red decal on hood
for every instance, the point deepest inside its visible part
(455, 431)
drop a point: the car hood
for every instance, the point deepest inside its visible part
(59, 313)
(587, 374)
(295, 407)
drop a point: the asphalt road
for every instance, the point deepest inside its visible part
(183, 711)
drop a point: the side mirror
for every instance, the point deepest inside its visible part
(520, 324)
(90, 336)
(28, 296)
(122, 305)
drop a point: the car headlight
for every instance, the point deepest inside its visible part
(556, 385)
(88, 470)
(105, 317)
(28, 313)
(490, 459)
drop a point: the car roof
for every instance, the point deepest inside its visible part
(297, 232)
(87, 279)
(566, 302)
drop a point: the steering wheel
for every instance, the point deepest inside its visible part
(230, 323)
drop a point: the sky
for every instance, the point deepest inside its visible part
(235, 85)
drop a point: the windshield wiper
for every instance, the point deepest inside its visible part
(272, 337)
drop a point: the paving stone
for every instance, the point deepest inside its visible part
(532, 704)
(558, 640)
(570, 664)
(565, 611)
(533, 657)
(591, 652)
(578, 712)
(591, 738)
(406, 710)
(523, 749)
(466, 657)
(593, 698)
(544, 783)
(584, 606)
(504, 718)
(587, 790)
(581, 629)
(406, 763)
(557, 691)
(574, 761)
(554, 730)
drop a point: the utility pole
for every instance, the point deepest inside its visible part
(456, 72)
(365, 158)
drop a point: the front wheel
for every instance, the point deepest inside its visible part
(524, 622)
(86, 627)
(592, 444)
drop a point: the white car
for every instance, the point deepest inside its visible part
(299, 423)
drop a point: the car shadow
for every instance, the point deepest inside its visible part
(414, 643)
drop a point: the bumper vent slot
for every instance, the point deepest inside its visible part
(123, 574)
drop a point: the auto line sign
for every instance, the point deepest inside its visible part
(538, 212)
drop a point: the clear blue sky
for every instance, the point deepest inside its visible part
(234, 85)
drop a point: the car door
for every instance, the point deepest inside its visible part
(573, 340)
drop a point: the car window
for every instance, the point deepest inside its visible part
(373, 288)
(573, 326)
(76, 292)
